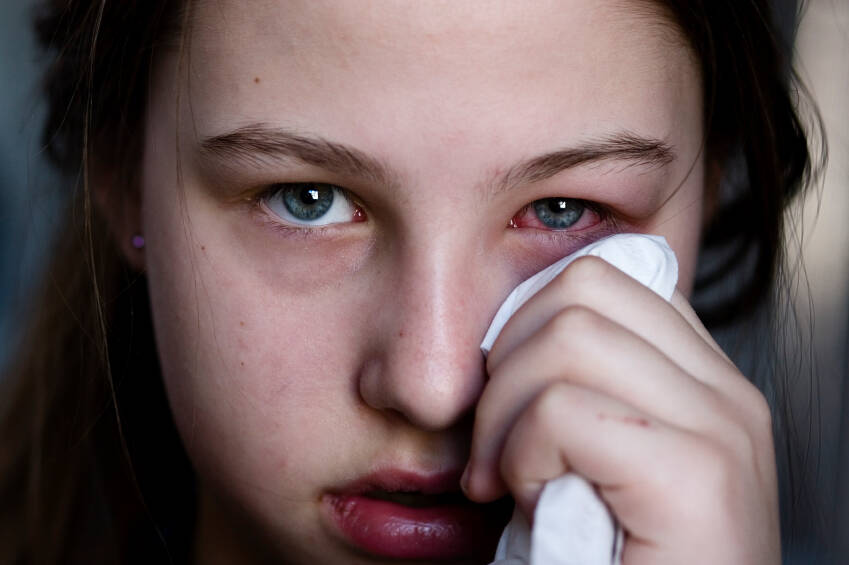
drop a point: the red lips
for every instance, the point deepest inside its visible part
(404, 515)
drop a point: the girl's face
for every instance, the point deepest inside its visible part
(360, 186)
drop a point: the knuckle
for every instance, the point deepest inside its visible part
(753, 414)
(758, 410)
(582, 274)
(725, 425)
(589, 268)
(761, 430)
(574, 327)
(736, 441)
(546, 410)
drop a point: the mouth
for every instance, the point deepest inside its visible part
(418, 499)
(402, 515)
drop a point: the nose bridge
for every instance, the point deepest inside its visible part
(429, 367)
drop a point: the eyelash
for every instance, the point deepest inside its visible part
(607, 223)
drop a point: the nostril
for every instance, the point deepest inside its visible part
(423, 360)
(432, 391)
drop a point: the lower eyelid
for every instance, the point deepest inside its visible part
(267, 220)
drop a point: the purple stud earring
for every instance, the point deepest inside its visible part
(138, 241)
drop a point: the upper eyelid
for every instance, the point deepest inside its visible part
(276, 187)
(597, 207)
(264, 193)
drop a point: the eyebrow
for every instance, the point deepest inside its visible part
(256, 143)
(628, 147)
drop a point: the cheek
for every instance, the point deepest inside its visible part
(252, 370)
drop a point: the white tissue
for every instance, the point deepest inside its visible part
(572, 525)
(646, 258)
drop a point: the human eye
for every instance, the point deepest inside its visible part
(310, 204)
(559, 214)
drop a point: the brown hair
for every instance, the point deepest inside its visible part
(81, 470)
(91, 468)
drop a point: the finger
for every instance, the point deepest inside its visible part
(680, 303)
(663, 484)
(594, 283)
(581, 347)
(536, 448)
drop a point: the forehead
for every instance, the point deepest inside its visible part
(447, 71)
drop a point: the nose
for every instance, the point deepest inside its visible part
(426, 364)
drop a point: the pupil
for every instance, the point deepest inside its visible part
(309, 196)
(557, 206)
(308, 202)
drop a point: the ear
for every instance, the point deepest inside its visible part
(118, 201)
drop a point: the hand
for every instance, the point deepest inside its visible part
(598, 375)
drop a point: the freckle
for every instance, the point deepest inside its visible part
(242, 363)
(203, 247)
(256, 80)
(241, 324)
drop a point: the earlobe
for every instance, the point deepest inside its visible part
(118, 203)
(132, 249)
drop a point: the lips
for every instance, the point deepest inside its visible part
(402, 515)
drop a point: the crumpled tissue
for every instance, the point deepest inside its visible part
(572, 525)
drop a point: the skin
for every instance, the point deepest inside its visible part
(297, 360)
